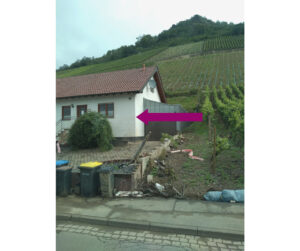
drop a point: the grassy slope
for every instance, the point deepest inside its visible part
(188, 102)
(177, 51)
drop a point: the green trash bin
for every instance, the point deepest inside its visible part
(89, 178)
(63, 181)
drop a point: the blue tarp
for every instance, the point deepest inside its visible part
(226, 195)
(240, 195)
(213, 196)
(61, 162)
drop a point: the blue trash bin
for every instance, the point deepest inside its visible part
(60, 163)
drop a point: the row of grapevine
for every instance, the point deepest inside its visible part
(232, 116)
(238, 103)
(230, 94)
(223, 43)
(207, 108)
(237, 91)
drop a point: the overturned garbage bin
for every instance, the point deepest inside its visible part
(89, 178)
(63, 180)
(106, 181)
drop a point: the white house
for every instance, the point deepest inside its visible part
(118, 95)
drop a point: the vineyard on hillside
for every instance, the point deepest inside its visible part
(189, 53)
(135, 61)
(200, 48)
(196, 72)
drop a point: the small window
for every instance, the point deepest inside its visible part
(106, 110)
(81, 109)
(110, 110)
(66, 112)
(102, 109)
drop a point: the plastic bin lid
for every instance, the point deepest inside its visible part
(61, 162)
(91, 164)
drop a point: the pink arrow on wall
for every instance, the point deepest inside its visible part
(146, 117)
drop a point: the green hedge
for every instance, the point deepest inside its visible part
(91, 130)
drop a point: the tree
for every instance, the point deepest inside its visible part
(145, 41)
(63, 67)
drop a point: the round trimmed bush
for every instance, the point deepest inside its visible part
(91, 130)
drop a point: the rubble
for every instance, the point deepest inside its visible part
(149, 178)
(136, 194)
(159, 187)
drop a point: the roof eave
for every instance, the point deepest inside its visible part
(102, 94)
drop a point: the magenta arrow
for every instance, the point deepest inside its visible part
(146, 117)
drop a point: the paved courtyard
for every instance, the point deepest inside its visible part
(73, 236)
(117, 153)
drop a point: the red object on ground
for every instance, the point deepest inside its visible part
(191, 154)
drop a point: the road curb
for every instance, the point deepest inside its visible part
(152, 226)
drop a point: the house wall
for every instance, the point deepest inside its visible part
(123, 123)
(139, 107)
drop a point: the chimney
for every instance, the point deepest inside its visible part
(144, 68)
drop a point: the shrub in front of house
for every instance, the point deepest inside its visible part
(91, 130)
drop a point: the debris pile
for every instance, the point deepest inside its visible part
(176, 141)
(156, 189)
(160, 169)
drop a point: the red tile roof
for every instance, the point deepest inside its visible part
(106, 83)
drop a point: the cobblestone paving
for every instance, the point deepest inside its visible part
(186, 242)
(117, 153)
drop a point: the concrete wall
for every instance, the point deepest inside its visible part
(158, 128)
